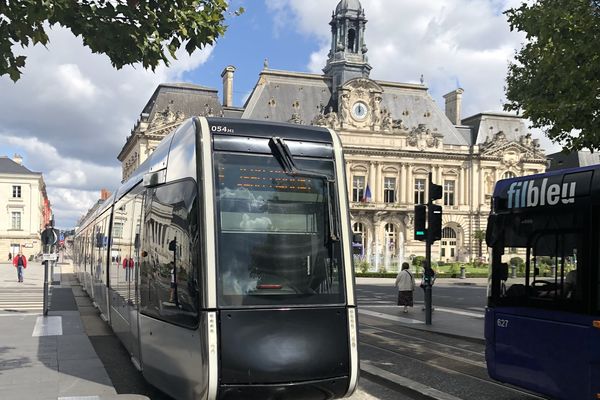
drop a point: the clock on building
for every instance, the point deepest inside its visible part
(360, 110)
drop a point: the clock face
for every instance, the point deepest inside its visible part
(360, 110)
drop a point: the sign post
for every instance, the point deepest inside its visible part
(49, 239)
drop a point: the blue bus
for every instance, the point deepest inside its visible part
(542, 325)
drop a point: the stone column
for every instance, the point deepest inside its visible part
(378, 187)
(372, 178)
(409, 185)
(402, 184)
(461, 187)
(397, 199)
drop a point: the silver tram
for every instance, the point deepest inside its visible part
(224, 263)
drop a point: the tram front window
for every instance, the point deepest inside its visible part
(274, 245)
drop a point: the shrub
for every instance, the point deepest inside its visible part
(418, 261)
(363, 266)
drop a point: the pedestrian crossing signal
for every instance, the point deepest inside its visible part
(420, 219)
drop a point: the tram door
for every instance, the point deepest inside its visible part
(134, 293)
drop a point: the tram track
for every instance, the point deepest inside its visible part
(451, 369)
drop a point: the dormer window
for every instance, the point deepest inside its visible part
(351, 40)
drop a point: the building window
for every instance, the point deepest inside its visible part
(448, 244)
(390, 239)
(16, 220)
(358, 188)
(16, 192)
(117, 230)
(508, 175)
(419, 191)
(448, 193)
(389, 190)
(359, 229)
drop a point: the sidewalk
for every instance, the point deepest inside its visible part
(447, 321)
(47, 357)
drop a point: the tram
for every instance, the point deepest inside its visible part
(542, 323)
(224, 263)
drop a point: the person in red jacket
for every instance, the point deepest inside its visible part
(20, 262)
(128, 267)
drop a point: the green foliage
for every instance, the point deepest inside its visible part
(363, 266)
(479, 235)
(453, 271)
(556, 76)
(127, 31)
(418, 261)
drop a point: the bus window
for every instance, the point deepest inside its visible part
(546, 273)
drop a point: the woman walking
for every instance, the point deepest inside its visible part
(406, 286)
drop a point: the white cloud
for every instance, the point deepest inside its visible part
(450, 42)
(70, 113)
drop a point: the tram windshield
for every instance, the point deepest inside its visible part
(274, 244)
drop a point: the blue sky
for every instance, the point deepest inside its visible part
(71, 112)
(250, 38)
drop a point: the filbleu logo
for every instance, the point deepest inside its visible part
(527, 194)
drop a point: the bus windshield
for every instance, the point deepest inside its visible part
(274, 244)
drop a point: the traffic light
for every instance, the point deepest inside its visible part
(435, 222)
(435, 191)
(420, 219)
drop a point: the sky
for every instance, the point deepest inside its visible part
(70, 113)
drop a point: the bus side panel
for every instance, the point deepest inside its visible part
(490, 340)
(547, 356)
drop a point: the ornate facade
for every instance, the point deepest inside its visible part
(393, 135)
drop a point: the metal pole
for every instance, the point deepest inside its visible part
(427, 271)
(45, 286)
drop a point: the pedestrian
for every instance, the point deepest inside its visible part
(428, 276)
(9, 256)
(20, 262)
(406, 287)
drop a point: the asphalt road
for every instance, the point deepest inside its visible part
(465, 297)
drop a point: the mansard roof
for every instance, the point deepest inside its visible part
(485, 125)
(185, 97)
(8, 166)
(279, 95)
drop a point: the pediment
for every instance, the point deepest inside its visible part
(365, 84)
(512, 151)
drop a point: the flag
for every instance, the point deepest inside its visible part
(367, 195)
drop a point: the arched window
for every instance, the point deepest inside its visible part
(508, 175)
(448, 244)
(351, 40)
(391, 238)
(448, 233)
(359, 228)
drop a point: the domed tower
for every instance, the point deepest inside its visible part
(347, 56)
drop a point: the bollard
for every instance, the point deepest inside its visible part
(463, 272)
(513, 271)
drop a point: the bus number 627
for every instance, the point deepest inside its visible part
(502, 323)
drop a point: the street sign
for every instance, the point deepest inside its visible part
(49, 257)
(49, 237)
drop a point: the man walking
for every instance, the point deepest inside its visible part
(20, 262)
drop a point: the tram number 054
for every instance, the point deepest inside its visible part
(502, 323)
(221, 129)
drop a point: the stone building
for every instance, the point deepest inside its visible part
(393, 134)
(24, 208)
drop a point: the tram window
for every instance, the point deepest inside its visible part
(169, 271)
(273, 234)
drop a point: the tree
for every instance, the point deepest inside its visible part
(479, 235)
(555, 80)
(127, 31)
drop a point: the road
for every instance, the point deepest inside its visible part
(442, 365)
